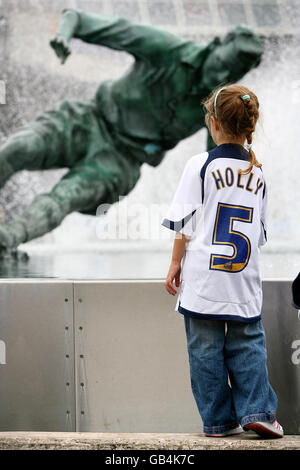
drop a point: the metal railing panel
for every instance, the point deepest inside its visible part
(131, 359)
(37, 373)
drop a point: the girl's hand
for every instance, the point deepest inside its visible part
(174, 273)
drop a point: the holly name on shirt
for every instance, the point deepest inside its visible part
(230, 178)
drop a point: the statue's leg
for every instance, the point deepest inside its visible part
(24, 150)
(76, 191)
(88, 184)
(99, 174)
(56, 139)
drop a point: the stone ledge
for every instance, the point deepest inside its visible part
(22, 440)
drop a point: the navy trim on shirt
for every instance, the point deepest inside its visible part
(177, 225)
(214, 316)
(265, 232)
(235, 151)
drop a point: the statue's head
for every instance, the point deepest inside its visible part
(230, 60)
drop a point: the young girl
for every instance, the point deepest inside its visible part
(218, 212)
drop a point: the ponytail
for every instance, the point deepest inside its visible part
(253, 159)
(251, 108)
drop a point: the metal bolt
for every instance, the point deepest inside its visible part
(82, 384)
(68, 412)
(80, 328)
(81, 355)
(67, 384)
(82, 412)
(66, 300)
(80, 300)
(66, 327)
(67, 355)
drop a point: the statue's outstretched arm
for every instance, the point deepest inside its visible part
(66, 29)
(140, 40)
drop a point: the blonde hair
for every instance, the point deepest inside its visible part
(237, 115)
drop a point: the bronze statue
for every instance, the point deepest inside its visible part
(130, 121)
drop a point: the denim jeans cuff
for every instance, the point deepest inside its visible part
(266, 417)
(220, 428)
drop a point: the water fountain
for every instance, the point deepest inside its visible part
(76, 268)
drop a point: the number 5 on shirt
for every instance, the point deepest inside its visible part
(225, 235)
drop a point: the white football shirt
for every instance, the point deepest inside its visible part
(224, 215)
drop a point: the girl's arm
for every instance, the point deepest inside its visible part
(179, 246)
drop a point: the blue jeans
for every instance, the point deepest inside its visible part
(240, 354)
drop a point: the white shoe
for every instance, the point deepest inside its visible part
(265, 429)
(231, 432)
